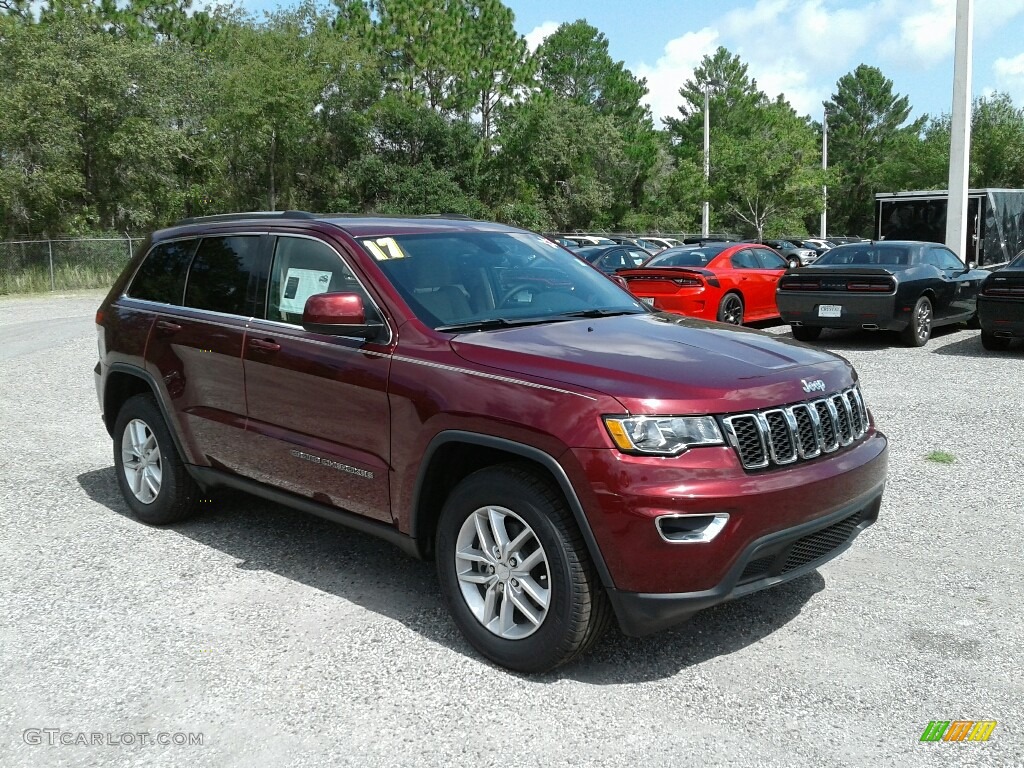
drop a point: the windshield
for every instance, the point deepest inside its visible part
(493, 279)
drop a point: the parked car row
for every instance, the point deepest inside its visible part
(908, 287)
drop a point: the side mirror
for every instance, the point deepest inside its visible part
(338, 314)
(620, 281)
(972, 265)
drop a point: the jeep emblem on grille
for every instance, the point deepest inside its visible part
(813, 386)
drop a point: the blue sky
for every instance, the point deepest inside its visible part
(796, 47)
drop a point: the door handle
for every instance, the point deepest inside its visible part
(264, 345)
(167, 326)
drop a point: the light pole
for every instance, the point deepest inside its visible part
(824, 167)
(705, 220)
(960, 131)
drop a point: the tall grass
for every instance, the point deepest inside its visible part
(25, 267)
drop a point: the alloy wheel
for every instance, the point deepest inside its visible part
(143, 466)
(503, 572)
(924, 321)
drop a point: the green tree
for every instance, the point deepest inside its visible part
(768, 178)
(497, 58)
(574, 64)
(867, 125)
(91, 127)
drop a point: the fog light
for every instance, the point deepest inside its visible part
(690, 529)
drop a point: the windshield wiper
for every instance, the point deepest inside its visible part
(601, 313)
(496, 322)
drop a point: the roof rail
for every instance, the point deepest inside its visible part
(247, 215)
(458, 216)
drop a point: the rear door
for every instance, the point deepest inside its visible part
(319, 420)
(751, 282)
(195, 349)
(773, 266)
(946, 286)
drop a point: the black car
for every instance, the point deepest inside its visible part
(611, 258)
(904, 286)
(1001, 305)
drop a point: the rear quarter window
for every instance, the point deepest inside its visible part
(161, 277)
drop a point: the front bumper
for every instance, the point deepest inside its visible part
(655, 582)
(770, 560)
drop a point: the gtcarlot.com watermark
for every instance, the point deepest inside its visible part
(54, 737)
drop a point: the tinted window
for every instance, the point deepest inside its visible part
(303, 268)
(946, 259)
(866, 254)
(638, 257)
(770, 260)
(696, 258)
(219, 277)
(162, 275)
(744, 260)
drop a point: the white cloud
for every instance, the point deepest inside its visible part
(923, 37)
(537, 35)
(746, 21)
(1009, 74)
(674, 68)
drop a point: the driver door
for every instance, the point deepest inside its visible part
(319, 417)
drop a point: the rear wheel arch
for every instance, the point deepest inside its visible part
(454, 455)
(124, 382)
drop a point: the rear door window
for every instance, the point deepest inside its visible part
(221, 272)
(161, 277)
(744, 260)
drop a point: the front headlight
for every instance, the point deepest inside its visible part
(662, 435)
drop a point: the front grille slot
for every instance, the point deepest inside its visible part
(781, 436)
(749, 441)
(779, 559)
(821, 543)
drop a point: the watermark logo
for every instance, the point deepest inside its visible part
(958, 730)
(52, 737)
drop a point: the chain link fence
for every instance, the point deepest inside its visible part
(37, 266)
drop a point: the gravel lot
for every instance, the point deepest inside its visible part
(287, 641)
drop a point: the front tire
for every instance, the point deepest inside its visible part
(920, 329)
(994, 343)
(515, 572)
(150, 473)
(730, 309)
(805, 332)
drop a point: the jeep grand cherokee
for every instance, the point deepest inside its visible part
(477, 395)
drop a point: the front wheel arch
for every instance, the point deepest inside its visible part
(429, 494)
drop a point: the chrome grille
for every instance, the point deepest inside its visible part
(780, 436)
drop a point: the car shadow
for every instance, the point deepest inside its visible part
(371, 573)
(857, 339)
(971, 347)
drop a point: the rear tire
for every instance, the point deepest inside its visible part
(153, 479)
(805, 332)
(515, 571)
(920, 329)
(730, 309)
(994, 343)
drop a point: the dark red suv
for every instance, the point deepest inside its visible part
(476, 394)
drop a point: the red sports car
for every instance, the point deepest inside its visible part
(728, 282)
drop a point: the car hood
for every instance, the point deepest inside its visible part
(662, 363)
